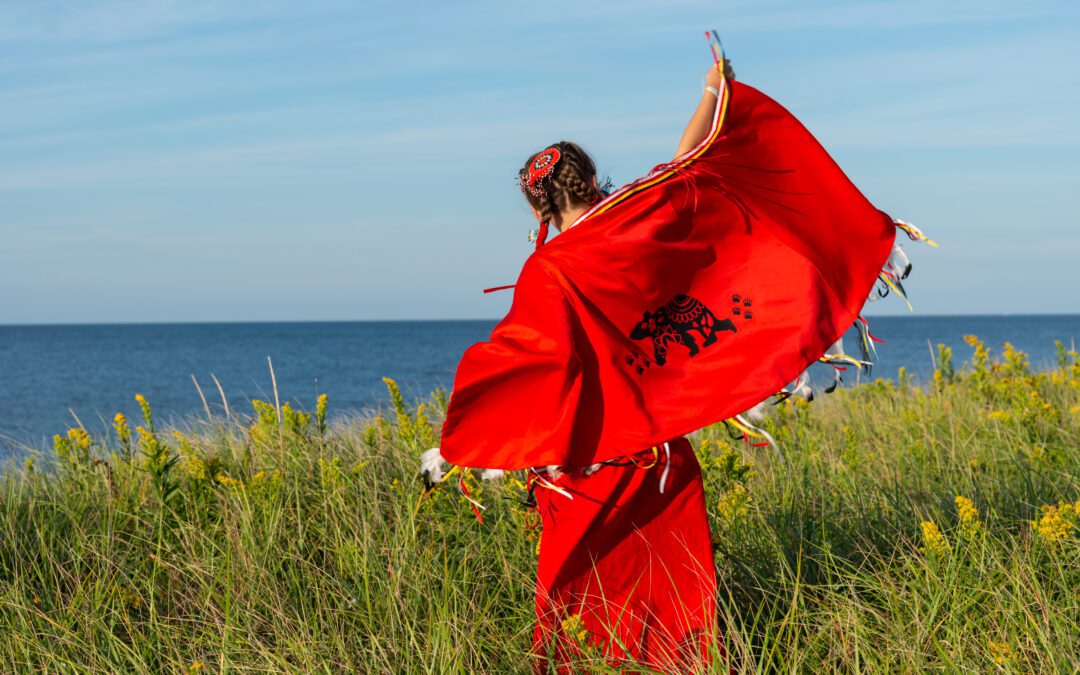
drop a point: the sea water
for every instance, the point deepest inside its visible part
(49, 375)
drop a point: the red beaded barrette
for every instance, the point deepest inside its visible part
(542, 166)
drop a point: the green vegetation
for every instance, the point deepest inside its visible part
(930, 528)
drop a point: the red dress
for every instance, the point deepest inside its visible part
(682, 299)
(625, 570)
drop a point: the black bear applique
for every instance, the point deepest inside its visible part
(675, 321)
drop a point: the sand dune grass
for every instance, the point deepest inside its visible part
(917, 528)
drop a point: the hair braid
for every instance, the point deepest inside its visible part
(545, 206)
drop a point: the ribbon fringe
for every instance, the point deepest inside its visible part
(747, 425)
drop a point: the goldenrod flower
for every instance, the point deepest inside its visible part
(145, 437)
(144, 405)
(229, 481)
(123, 431)
(934, 542)
(1015, 359)
(1001, 652)
(574, 627)
(79, 438)
(320, 413)
(735, 503)
(1056, 522)
(999, 415)
(970, 525)
(980, 360)
(194, 467)
(62, 447)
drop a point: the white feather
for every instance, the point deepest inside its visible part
(802, 386)
(431, 465)
(898, 262)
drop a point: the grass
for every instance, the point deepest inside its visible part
(917, 528)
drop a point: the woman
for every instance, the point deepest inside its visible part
(623, 567)
(682, 299)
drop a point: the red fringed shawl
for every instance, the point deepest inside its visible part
(684, 298)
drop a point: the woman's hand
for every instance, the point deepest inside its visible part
(713, 77)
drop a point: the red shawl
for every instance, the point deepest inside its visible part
(682, 299)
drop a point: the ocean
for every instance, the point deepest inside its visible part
(51, 374)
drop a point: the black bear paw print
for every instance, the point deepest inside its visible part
(638, 361)
(742, 306)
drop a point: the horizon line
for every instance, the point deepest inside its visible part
(210, 322)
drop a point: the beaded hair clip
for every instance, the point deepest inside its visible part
(542, 166)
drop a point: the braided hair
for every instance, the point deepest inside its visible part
(571, 184)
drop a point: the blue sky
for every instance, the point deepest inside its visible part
(189, 161)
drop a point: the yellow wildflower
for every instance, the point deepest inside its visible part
(79, 438)
(396, 398)
(320, 412)
(1015, 359)
(980, 360)
(999, 415)
(123, 431)
(194, 467)
(1056, 522)
(574, 627)
(970, 525)
(1074, 409)
(1001, 652)
(195, 667)
(144, 405)
(934, 542)
(735, 503)
(229, 481)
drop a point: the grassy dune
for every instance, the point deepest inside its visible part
(917, 528)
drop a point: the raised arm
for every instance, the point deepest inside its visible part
(701, 121)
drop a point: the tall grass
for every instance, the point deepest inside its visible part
(917, 528)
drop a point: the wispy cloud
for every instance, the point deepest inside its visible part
(164, 127)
